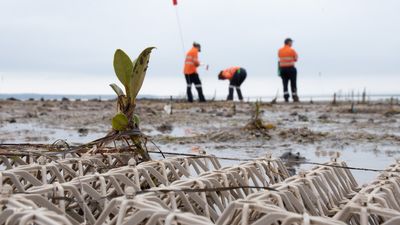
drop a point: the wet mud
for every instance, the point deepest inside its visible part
(366, 135)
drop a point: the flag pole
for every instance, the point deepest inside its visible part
(175, 2)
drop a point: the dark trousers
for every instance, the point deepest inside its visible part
(289, 74)
(194, 79)
(237, 80)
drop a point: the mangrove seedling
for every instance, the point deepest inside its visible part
(125, 124)
(257, 123)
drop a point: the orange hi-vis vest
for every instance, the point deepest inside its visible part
(230, 72)
(287, 56)
(191, 61)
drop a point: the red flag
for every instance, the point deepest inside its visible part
(175, 2)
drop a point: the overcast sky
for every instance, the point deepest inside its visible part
(46, 44)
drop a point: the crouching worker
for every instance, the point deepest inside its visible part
(236, 75)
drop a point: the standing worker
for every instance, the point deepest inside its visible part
(287, 59)
(191, 75)
(236, 75)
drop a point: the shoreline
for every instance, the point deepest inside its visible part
(103, 97)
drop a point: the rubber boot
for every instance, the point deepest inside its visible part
(201, 96)
(239, 92)
(295, 98)
(230, 95)
(189, 94)
(286, 97)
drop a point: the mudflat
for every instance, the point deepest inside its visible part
(366, 135)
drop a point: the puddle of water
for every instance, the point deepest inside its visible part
(365, 158)
(353, 158)
(176, 132)
(365, 155)
(37, 133)
(182, 132)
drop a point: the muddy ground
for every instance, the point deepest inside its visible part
(366, 135)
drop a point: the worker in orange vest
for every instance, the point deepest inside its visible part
(287, 58)
(191, 75)
(236, 76)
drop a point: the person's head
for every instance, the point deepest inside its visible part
(289, 42)
(197, 45)
(220, 77)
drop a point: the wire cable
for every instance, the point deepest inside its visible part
(180, 29)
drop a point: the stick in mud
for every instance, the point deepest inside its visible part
(334, 99)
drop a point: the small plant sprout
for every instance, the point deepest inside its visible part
(257, 123)
(125, 124)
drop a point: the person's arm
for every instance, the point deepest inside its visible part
(296, 57)
(196, 59)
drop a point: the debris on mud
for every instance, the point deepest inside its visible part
(224, 114)
(222, 136)
(12, 120)
(12, 99)
(302, 135)
(83, 132)
(30, 115)
(391, 112)
(289, 156)
(302, 118)
(64, 99)
(291, 160)
(323, 117)
(168, 109)
(165, 128)
(64, 107)
(257, 126)
(150, 111)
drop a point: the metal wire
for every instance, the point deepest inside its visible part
(287, 161)
(74, 149)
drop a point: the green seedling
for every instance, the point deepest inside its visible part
(257, 123)
(131, 74)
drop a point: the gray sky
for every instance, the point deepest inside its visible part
(44, 43)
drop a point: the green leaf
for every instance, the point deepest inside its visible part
(117, 90)
(136, 119)
(123, 68)
(120, 122)
(139, 72)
